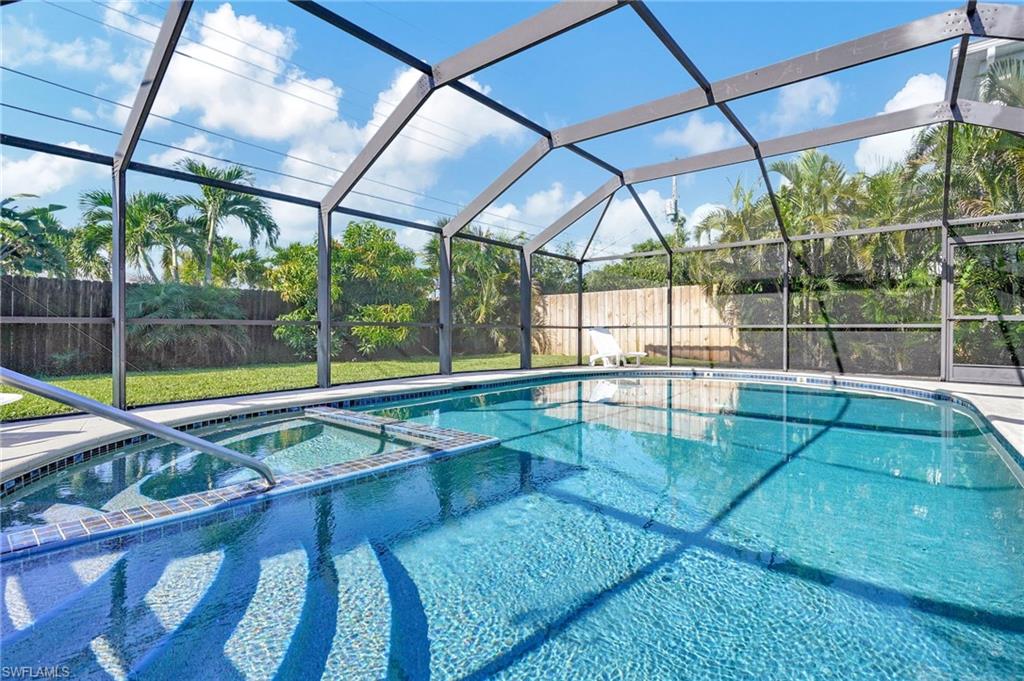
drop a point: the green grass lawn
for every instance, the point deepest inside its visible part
(155, 387)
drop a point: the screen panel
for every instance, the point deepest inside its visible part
(555, 311)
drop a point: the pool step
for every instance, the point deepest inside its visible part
(444, 440)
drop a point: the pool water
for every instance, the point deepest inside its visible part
(154, 473)
(649, 529)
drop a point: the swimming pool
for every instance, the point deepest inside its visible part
(640, 528)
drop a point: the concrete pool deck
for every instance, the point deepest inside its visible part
(28, 445)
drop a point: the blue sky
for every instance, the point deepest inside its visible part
(269, 74)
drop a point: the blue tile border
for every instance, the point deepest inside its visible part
(16, 483)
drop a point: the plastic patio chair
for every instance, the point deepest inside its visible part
(608, 349)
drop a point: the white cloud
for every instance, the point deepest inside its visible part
(698, 136)
(224, 101)
(539, 208)
(624, 224)
(80, 114)
(703, 212)
(875, 153)
(42, 174)
(197, 143)
(24, 46)
(442, 132)
(697, 218)
(803, 104)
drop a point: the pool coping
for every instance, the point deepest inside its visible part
(428, 442)
(30, 450)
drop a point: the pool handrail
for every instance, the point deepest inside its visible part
(125, 418)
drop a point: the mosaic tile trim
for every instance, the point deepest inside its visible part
(16, 483)
(444, 443)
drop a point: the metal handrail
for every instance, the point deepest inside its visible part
(125, 418)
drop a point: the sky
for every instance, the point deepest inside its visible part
(268, 85)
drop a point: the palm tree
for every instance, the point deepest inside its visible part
(31, 239)
(749, 216)
(147, 215)
(817, 195)
(215, 205)
(238, 267)
(987, 175)
(1004, 83)
(180, 243)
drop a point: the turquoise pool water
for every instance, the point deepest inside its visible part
(644, 529)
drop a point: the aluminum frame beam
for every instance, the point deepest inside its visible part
(926, 114)
(989, 20)
(323, 298)
(575, 213)
(392, 126)
(978, 113)
(525, 310)
(650, 220)
(542, 26)
(1008, 118)
(520, 167)
(159, 59)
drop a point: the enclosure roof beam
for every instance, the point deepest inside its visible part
(575, 213)
(989, 20)
(684, 60)
(544, 25)
(392, 126)
(650, 220)
(159, 59)
(597, 226)
(547, 24)
(1008, 118)
(866, 127)
(926, 114)
(520, 167)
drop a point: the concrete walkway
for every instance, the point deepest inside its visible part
(28, 445)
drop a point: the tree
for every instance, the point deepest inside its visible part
(233, 266)
(179, 301)
(148, 217)
(292, 272)
(817, 195)
(215, 205)
(373, 279)
(31, 238)
(750, 216)
(380, 282)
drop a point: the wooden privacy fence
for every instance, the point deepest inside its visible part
(61, 349)
(637, 309)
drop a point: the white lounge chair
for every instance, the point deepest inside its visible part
(608, 349)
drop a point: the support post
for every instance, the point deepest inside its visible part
(579, 312)
(156, 67)
(118, 287)
(945, 251)
(785, 305)
(444, 290)
(668, 317)
(525, 311)
(323, 299)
